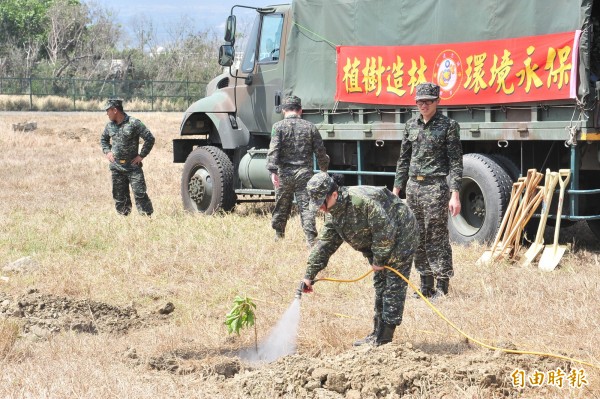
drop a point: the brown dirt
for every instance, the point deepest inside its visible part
(41, 315)
(390, 371)
(68, 134)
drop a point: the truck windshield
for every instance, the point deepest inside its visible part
(266, 37)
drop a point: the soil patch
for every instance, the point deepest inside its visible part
(389, 371)
(43, 314)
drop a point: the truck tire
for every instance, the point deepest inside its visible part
(508, 165)
(207, 181)
(484, 196)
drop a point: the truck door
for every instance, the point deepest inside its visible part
(263, 61)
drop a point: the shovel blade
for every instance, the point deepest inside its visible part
(531, 254)
(487, 257)
(551, 257)
(484, 259)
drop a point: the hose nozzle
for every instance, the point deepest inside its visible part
(301, 289)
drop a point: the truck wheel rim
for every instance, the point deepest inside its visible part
(472, 214)
(201, 188)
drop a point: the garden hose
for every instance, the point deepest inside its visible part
(467, 336)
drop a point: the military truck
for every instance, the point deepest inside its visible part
(520, 77)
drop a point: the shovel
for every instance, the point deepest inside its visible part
(538, 245)
(517, 188)
(533, 179)
(519, 225)
(515, 216)
(552, 254)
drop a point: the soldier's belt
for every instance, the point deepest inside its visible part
(121, 161)
(422, 178)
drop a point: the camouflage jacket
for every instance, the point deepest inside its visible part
(431, 149)
(124, 139)
(293, 141)
(371, 220)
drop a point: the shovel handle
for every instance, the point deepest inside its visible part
(510, 211)
(566, 173)
(549, 186)
(527, 213)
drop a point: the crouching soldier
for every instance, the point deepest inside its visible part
(377, 223)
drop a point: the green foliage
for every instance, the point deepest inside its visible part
(25, 29)
(24, 20)
(75, 39)
(241, 315)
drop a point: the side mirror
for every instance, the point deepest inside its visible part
(230, 30)
(226, 55)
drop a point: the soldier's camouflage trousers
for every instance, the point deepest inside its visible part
(122, 178)
(390, 289)
(293, 182)
(428, 199)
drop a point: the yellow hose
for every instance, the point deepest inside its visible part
(467, 336)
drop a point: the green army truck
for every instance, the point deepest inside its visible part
(520, 77)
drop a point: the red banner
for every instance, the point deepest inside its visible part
(534, 68)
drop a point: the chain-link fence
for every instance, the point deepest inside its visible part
(143, 95)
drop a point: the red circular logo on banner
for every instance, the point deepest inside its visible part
(448, 73)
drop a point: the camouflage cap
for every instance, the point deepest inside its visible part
(113, 102)
(318, 187)
(291, 101)
(427, 91)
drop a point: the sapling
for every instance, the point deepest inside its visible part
(242, 315)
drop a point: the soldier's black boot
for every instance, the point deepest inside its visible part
(385, 334)
(427, 288)
(442, 287)
(371, 337)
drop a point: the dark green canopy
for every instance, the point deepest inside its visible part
(320, 25)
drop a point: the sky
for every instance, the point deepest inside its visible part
(204, 14)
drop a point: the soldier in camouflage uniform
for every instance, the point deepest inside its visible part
(379, 225)
(290, 162)
(430, 151)
(120, 142)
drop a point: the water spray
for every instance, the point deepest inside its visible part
(282, 338)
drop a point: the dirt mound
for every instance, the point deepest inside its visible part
(389, 371)
(76, 134)
(42, 314)
(189, 361)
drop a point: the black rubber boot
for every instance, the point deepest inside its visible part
(385, 334)
(427, 288)
(371, 337)
(442, 287)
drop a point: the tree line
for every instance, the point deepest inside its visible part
(71, 39)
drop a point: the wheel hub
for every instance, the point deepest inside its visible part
(472, 215)
(200, 188)
(477, 205)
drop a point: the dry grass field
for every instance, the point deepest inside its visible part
(85, 313)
